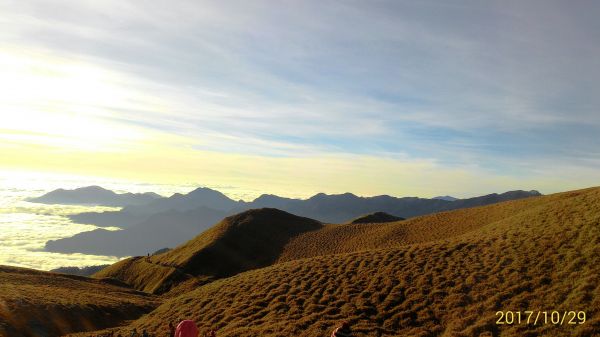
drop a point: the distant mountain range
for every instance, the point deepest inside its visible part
(95, 195)
(166, 222)
(80, 271)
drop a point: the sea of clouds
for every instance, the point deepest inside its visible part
(25, 227)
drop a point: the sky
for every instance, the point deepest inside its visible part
(419, 98)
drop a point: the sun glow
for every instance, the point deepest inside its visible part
(50, 101)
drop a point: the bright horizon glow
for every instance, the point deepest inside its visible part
(397, 98)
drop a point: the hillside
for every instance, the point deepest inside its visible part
(248, 240)
(441, 275)
(35, 303)
(289, 237)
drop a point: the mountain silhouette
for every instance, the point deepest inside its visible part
(165, 229)
(95, 195)
(209, 206)
(446, 197)
(377, 217)
(201, 196)
(343, 207)
(334, 208)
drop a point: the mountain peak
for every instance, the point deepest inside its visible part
(95, 195)
(260, 216)
(247, 240)
(377, 217)
(268, 197)
(322, 195)
(204, 190)
(445, 197)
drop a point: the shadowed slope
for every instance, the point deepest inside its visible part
(35, 303)
(377, 217)
(248, 240)
(535, 254)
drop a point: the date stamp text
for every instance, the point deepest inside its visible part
(538, 317)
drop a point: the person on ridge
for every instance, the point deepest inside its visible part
(145, 333)
(186, 328)
(134, 333)
(342, 331)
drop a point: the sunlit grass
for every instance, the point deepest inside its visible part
(439, 275)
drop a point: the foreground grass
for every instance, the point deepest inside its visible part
(35, 303)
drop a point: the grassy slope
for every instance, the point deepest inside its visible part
(289, 238)
(346, 238)
(245, 241)
(440, 275)
(35, 303)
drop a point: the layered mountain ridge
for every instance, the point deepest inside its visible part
(167, 222)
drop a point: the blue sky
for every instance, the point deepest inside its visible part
(501, 89)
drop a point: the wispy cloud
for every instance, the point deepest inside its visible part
(507, 87)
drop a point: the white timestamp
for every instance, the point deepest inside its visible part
(540, 317)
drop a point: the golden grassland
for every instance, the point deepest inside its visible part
(260, 237)
(445, 274)
(35, 303)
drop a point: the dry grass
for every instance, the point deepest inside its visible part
(346, 238)
(209, 255)
(440, 275)
(35, 303)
